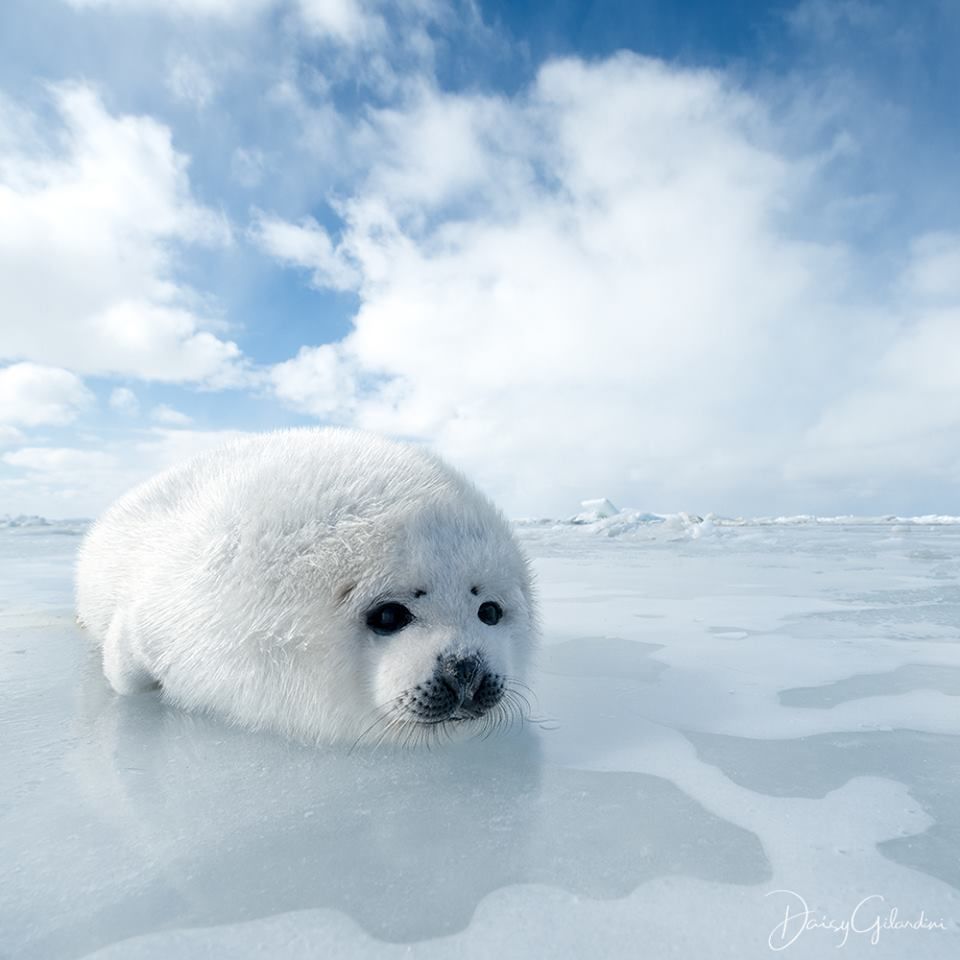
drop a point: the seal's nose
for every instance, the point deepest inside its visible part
(479, 690)
(466, 671)
(486, 694)
(459, 683)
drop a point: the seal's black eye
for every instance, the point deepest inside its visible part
(388, 618)
(490, 612)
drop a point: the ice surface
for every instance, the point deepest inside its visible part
(726, 709)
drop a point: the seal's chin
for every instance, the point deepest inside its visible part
(446, 707)
(464, 715)
(456, 717)
(456, 728)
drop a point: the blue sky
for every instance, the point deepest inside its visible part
(685, 255)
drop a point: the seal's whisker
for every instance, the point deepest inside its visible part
(516, 705)
(500, 715)
(528, 713)
(515, 682)
(390, 719)
(520, 701)
(518, 687)
(413, 735)
(488, 726)
(398, 720)
(515, 710)
(384, 711)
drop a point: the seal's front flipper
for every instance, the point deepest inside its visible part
(120, 664)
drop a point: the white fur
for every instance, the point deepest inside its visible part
(239, 581)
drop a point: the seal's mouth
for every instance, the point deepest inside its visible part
(430, 712)
(458, 716)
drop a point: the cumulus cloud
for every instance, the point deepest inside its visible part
(10, 436)
(225, 9)
(31, 394)
(162, 447)
(601, 285)
(349, 22)
(76, 481)
(933, 273)
(92, 217)
(59, 461)
(124, 400)
(567, 307)
(319, 380)
(247, 166)
(899, 417)
(190, 81)
(305, 244)
(378, 46)
(163, 413)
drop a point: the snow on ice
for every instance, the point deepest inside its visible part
(736, 721)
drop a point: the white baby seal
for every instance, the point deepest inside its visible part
(324, 583)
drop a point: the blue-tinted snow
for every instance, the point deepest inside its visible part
(729, 708)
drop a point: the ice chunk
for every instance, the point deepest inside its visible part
(594, 510)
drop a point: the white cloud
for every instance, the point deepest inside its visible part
(566, 309)
(91, 219)
(901, 416)
(824, 19)
(319, 381)
(348, 22)
(163, 447)
(247, 166)
(377, 46)
(124, 400)
(307, 245)
(190, 81)
(225, 9)
(71, 481)
(60, 461)
(599, 287)
(934, 269)
(31, 394)
(163, 413)
(10, 436)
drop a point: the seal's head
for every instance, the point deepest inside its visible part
(443, 620)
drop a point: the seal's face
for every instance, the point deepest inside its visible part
(462, 685)
(447, 633)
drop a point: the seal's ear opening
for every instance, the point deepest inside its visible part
(344, 591)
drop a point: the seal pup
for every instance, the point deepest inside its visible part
(324, 583)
